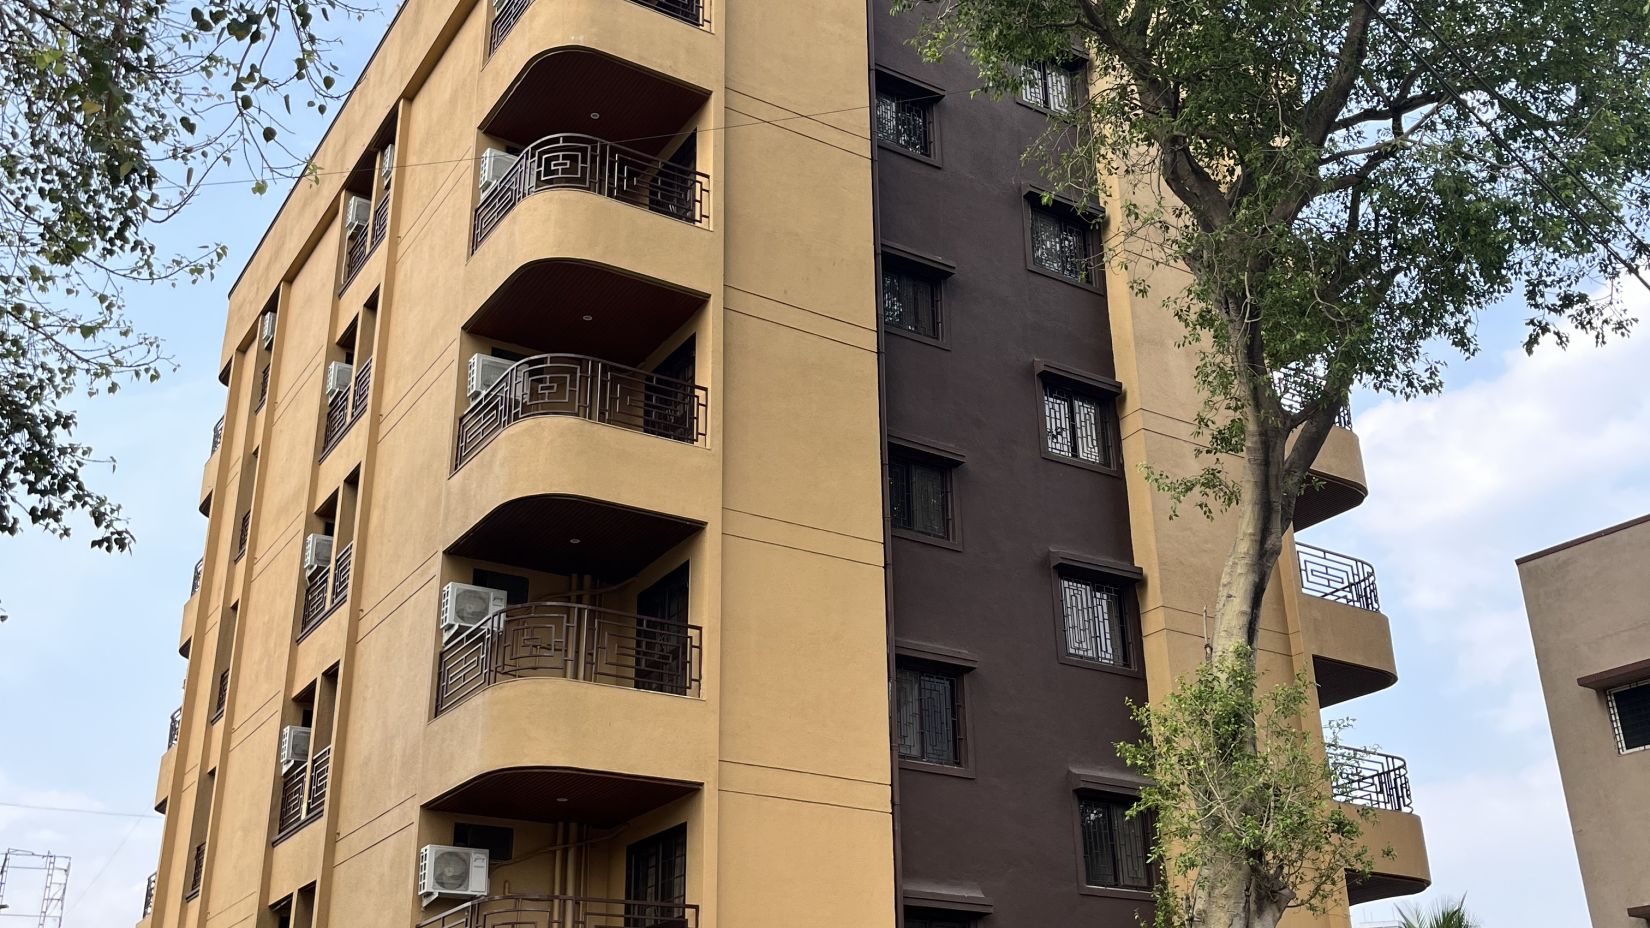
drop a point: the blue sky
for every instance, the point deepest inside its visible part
(1519, 454)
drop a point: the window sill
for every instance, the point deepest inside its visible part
(1079, 462)
(944, 770)
(1143, 895)
(1084, 663)
(950, 544)
(930, 160)
(1039, 108)
(1071, 281)
(916, 337)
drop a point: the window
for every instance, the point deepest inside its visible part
(910, 298)
(1061, 243)
(929, 706)
(906, 120)
(1092, 613)
(1630, 714)
(655, 872)
(1052, 86)
(919, 497)
(1079, 425)
(1114, 844)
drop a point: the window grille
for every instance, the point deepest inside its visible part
(1630, 714)
(930, 716)
(910, 301)
(1093, 614)
(1114, 845)
(920, 497)
(1079, 426)
(1060, 244)
(905, 122)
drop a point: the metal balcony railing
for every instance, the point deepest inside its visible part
(363, 386)
(570, 161)
(1370, 778)
(316, 600)
(565, 912)
(1337, 577)
(221, 698)
(692, 12)
(589, 388)
(303, 793)
(242, 534)
(149, 895)
(195, 582)
(380, 219)
(197, 869)
(217, 435)
(175, 728)
(1298, 387)
(573, 641)
(344, 408)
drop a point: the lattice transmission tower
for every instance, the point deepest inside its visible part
(20, 871)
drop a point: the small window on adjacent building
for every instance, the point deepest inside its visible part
(929, 707)
(919, 496)
(1092, 614)
(1079, 424)
(910, 297)
(1062, 242)
(905, 118)
(1114, 844)
(1630, 713)
(1052, 86)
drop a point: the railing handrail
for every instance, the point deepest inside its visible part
(684, 907)
(1291, 382)
(1370, 778)
(597, 409)
(510, 189)
(496, 621)
(1360, 591)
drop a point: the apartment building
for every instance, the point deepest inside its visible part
(680, 470)
(1586, 604)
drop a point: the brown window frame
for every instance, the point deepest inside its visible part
(1113, 800)
(1103, 392)
(1121, 577)
(908, 453)
(961, 762)
(1640, 688)
(905, 89)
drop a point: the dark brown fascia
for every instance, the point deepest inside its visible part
(1639, 911)
(1616, 676)
(1583, 539)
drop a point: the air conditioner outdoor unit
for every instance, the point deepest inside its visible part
(266, 329)
(485, 370)
(494, 165)
(317, 553)
(464, 605)
(294, 746)
(339, 375)
(386, 163)
(357, 214)
(451, 871)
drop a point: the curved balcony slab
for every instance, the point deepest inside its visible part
(597, 310)
(632, 66)
(602, 481)
(163, 782)
(1339, 484)
(1406, 872)
(582, 226)
(517, 747)
(1351, 649)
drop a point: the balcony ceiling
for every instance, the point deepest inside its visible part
(543, 305)
(578, 90)
(1339, 681)
(1325, 498)
(1378, 886)
(561, 794)
(613, 542)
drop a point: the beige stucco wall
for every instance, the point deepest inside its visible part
(787, 577)
(1586, 605)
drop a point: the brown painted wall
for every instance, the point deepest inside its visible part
(1007, 829)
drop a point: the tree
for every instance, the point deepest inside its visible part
(115, 115)
(1444, 914)
(1348, 185)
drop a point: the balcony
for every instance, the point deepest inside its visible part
(325, 590)
(1379, 781)
(303, 794)
(197, 871)
(1349, 637)
(345, 407)
(574, 642)
(586, 388)
(1337, 482)
(195, 581)
(571, 161)
(565, 912)
(175, 728)
(149, 895)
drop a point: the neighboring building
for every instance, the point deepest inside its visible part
(1589, 606)
(797, 439)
